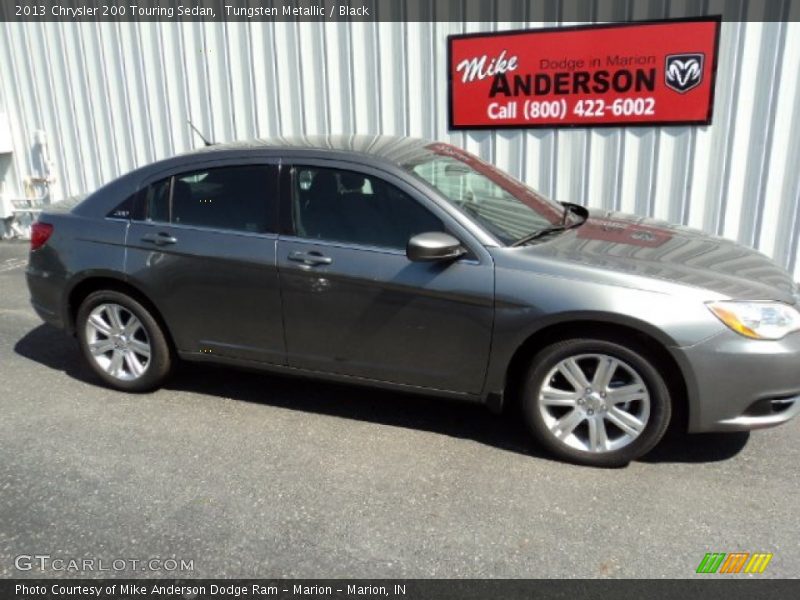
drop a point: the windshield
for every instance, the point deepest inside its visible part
(506, 208)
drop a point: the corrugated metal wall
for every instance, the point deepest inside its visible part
(112, 96)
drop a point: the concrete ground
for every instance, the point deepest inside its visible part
(253, 475)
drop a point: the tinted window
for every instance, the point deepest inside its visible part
(125, 210)
(237, 198)
(156, 202)
(345, 206)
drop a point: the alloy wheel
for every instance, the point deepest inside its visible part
(594, 403)
(117, 341)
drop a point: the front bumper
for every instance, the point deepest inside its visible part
(737, 384)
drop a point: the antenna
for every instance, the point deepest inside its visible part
(197, 131)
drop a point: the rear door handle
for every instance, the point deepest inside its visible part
(310, 259)
(159, 239)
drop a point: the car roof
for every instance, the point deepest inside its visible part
(393, 149)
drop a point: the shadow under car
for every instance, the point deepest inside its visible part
(53, 349)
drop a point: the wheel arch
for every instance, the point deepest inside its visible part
(93, 283)
(655, 347)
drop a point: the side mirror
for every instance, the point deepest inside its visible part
(434, 245)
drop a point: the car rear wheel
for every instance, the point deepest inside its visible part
(122, 342)
(596, 402)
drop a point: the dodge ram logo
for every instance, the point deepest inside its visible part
(683, 72)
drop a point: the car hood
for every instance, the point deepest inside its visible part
(657, 249)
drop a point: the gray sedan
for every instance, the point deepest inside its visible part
(414, 265)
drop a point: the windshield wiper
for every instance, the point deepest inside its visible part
(569, 207)
(575, 209)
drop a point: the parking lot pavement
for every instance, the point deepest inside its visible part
(253, 475)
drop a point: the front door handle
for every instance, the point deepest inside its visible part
(310, 259)
(159, 239)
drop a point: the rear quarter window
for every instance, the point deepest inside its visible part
(125, 209)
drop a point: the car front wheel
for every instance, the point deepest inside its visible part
(122, 342)
(596, 402)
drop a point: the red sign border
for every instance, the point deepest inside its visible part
(460, 36)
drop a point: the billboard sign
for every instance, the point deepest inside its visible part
(640, 73)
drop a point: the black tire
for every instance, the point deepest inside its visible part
(160, 361)
(631, 356)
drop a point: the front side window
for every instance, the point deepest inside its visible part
(236, 198)
(346, 206)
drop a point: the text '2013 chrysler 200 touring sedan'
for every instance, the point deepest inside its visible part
(415, 265)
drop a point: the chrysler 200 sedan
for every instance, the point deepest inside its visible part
(414, 265)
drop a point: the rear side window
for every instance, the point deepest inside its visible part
(241, 198)
(156, 201)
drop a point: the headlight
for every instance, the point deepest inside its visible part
(758, 320)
